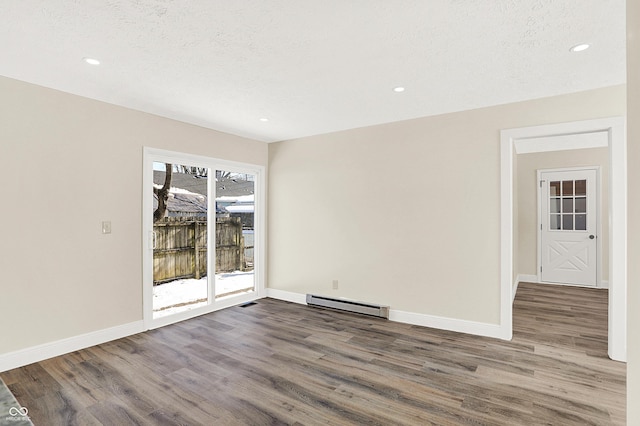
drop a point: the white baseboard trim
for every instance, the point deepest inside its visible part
(526, 278)
(442, 323)
(287, 296)
(22, 357)
(450, 324)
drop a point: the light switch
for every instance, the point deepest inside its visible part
(106, 227)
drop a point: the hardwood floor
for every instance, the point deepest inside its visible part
(281, 363)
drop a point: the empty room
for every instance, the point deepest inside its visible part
(356, 212)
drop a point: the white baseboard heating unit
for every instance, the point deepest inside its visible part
(348, 305)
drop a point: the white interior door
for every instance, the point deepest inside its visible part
(568, 214)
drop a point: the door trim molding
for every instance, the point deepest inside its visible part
(598, 171)
(615, 128)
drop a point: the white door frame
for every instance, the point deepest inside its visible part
(614, 129)
(151, 155)
(541, 214)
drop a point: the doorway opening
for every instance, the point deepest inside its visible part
(556, 137)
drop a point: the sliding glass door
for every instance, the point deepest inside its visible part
(202, 221)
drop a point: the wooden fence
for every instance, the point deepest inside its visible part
(181, 248)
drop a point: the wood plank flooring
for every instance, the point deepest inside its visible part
(281, 363)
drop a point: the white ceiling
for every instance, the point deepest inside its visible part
(313, 66)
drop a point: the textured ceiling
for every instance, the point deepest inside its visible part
(311, 67)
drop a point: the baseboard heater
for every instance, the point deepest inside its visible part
(348, 305)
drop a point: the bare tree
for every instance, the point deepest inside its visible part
(163, 194)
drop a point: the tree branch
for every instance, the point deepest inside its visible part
(163, 194)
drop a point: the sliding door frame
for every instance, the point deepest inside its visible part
(151, 155)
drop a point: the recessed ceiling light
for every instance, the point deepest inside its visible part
(264, 120)
(398, 89)
(579, 47)
(91, 61)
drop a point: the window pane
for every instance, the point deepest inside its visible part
(581, 187)
(554, 205)
(581, 205)
(567, 205)
(567, 222)
(581, 222)
(567, 187)
(554, 221)
(235, 196)
(554, 188)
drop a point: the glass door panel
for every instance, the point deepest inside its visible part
(235, 211)
(179, 238)
(572, 203)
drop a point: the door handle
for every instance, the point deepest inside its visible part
(591, 237)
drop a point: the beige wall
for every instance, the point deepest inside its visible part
(406, 214)
(68, 164)
(527, 188)
(633, 162)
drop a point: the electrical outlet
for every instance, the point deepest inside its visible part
(106, 227)
(335, 284)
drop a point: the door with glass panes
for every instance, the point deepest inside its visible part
(568, 237)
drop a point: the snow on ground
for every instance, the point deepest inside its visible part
(182, 295)
(236, 198)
